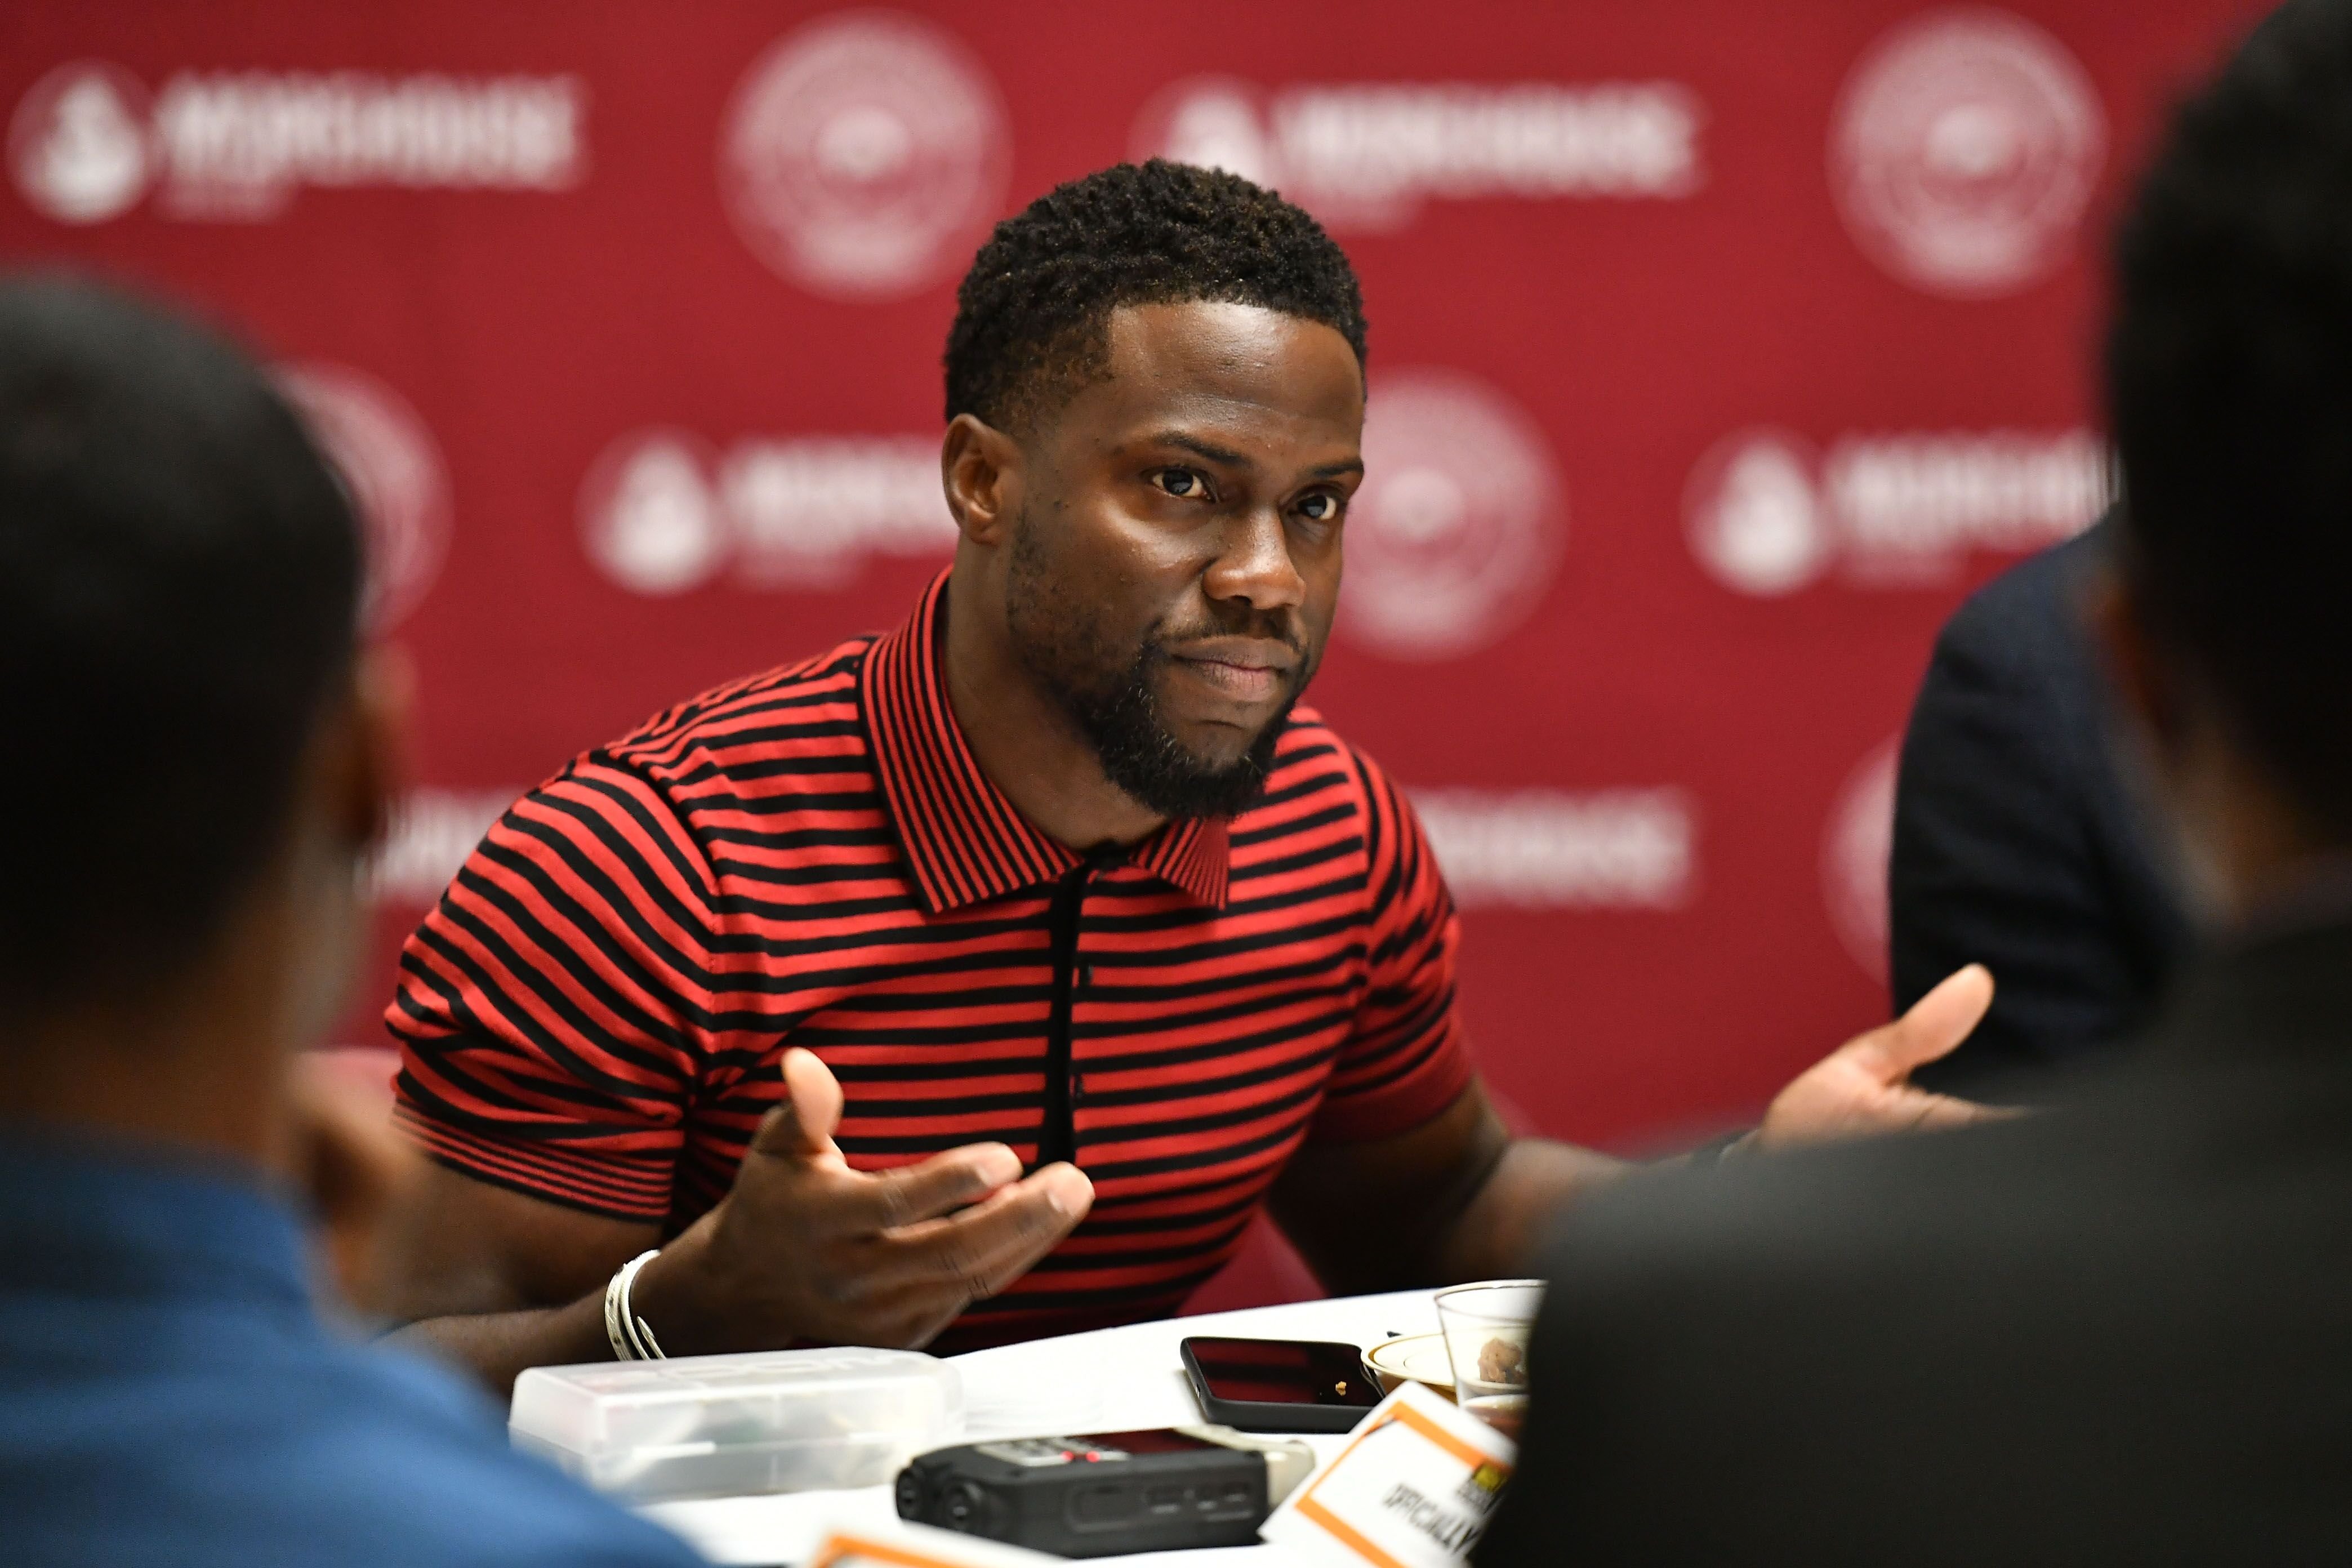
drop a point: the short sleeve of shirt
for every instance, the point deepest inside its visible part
(1405, 1059)
(553, 1010)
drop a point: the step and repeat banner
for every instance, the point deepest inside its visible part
(1718, 349)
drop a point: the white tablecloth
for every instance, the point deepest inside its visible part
(1111, 1380)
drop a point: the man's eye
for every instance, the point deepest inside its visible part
(1182, 482)
(1320, 508)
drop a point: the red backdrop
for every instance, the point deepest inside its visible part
(1717, 349)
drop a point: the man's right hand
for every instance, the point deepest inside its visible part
(805, 1249)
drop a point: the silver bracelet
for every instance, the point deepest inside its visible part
(632, 1338)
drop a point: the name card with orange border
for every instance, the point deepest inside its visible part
(1413, 1488)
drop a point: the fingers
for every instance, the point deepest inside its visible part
(888, 1199)
(801, 1128)
(1936, 1023)
(989, 1245)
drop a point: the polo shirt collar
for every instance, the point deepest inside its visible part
(963, 842)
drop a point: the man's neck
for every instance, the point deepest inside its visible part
(1021, 736)
(2312, 890)
(176, 1076)
(2259, 848)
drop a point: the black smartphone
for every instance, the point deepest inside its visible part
(1280, 1385)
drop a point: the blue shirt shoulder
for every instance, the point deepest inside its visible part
(168, 1396)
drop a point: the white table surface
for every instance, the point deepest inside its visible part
(1109, 1381)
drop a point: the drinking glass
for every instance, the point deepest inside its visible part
(1486, 1328)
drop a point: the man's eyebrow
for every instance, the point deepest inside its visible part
(1232, 460)
(1200, 448)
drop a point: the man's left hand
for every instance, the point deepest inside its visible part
(1863, 1089)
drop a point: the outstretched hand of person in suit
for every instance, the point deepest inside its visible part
(1864, 1087)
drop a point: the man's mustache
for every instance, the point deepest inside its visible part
(1170, 641)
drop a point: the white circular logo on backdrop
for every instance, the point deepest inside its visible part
(1754, 515)
(1454, 533)
(1965, 148)
(647, 515)
(864, 154)
(1855, 849)
(80, 144)
(394, 472)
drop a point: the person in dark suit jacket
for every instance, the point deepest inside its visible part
(2018, 844)
(2114, 1330)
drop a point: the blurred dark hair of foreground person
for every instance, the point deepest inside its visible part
(2114, 1333)
(202, 752)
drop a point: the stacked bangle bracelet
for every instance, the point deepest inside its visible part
(632, 1337)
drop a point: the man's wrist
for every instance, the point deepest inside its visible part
(673, 1293)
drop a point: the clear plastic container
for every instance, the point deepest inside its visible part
(725, 1426)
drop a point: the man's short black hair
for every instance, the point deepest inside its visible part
(2229, 386)
(1033, 315)
(179, 583)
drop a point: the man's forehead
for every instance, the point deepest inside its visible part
(1219, 361)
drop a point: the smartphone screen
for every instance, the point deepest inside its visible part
(1284, 1371)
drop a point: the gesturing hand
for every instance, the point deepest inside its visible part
(804, 1248)
(1862, 1088)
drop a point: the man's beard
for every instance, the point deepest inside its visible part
(1116, 704)
(1141, 757)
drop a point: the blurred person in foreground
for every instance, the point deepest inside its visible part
(2021, 843)
(2114, 1331)
(983, 980)
(202, 756)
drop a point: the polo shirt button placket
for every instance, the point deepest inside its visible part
(1085, 983)
(1058, 1138)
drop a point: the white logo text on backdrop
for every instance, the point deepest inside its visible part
(662, 512)
(1856, 844)
(1550, 848)
(864, 154)
(86, 144)
(1964, 150)
(1455, 533)
(1765, 515)
(1365, 155)
(394, 473)
(430, 833)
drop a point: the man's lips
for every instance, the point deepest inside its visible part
(1248, 670)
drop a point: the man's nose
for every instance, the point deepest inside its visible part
(1255, 566)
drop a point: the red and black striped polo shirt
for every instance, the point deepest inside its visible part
(595, 1011)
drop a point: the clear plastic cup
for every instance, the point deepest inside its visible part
(1486, 1328)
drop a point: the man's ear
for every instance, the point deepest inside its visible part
(384, 695)
(355, 766)
(2147, 685)
(980, 468)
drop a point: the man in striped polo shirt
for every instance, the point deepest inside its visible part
(796, 982)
